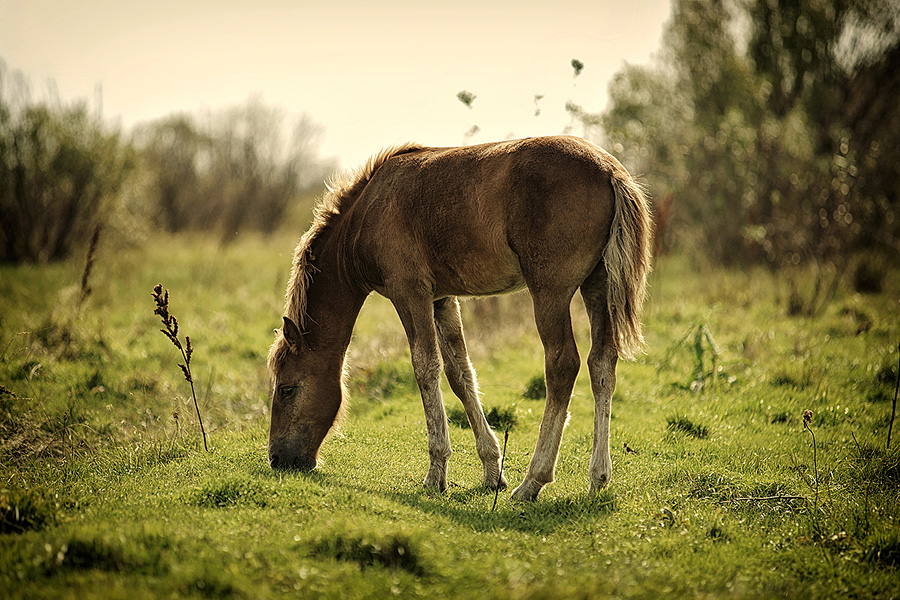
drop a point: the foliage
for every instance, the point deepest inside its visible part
(774, 127)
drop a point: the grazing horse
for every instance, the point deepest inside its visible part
(422, 226)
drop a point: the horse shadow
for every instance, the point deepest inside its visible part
(467, 508)
(474, 507)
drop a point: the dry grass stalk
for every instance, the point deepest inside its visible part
(89, 266)
(170, 330)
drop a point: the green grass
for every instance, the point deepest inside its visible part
(106, 493)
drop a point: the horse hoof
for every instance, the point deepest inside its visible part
(600, 484)
(436, 484)
(494, 484)
(527, 491)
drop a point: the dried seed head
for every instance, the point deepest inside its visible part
(807, 416)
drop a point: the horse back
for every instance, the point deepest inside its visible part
(486, 219)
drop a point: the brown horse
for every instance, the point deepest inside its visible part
(422, 226)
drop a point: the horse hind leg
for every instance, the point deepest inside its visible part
(561, 364)
(461, 377)
(602, 361)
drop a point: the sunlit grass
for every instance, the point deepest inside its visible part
(716, 488)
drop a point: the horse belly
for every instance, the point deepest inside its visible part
(476, 268)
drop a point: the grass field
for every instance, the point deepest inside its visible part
(719, 488)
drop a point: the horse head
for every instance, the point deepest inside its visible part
(306, 398)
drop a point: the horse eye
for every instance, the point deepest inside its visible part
(287, 391)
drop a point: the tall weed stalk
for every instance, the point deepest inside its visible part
(170, 330)
(89, 267)
(894, 403)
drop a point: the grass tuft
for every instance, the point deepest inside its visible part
(718, 533)
(536, 389)
(25, 510)
(457, 416)
(884, 549)
(687, 426)
(500, 419)
(875, 466)
(86, 553)
(391, 551)
(229, 492)
(383, 380)
(208, 585)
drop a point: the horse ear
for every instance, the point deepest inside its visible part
(292, 334)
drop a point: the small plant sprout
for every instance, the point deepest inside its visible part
(807, 418)
(699, 343)
(894, 403)
(170, 330)
(502, 464)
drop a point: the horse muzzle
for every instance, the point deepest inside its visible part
(282, 461)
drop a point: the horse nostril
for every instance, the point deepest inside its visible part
(273, 461)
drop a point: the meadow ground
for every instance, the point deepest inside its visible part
(719, 488)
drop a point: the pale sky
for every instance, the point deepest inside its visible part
(372, 73)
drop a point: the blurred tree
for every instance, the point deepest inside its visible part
(774, 125)
(172, 149)
(236, 171)
(60, 172)
(466, 97)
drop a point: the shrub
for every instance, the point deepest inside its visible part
(60, 172)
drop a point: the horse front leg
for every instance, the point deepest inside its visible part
(462, 380)
(418, 321)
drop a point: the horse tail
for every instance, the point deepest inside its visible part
(627, 261)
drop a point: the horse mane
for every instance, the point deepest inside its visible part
(340, 194)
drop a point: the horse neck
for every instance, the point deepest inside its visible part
(332, 307)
